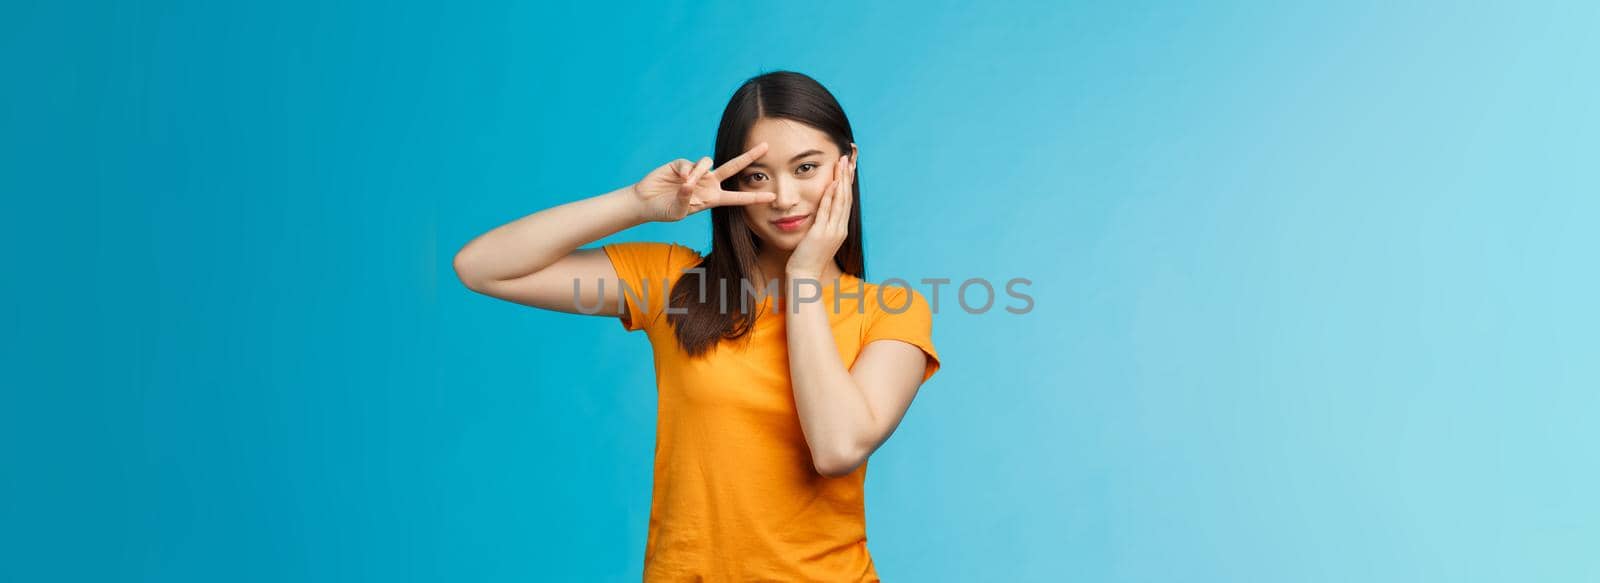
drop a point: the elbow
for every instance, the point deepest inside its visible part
(464, 272)
(838, 463)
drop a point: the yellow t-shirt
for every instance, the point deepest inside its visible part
(735, 496)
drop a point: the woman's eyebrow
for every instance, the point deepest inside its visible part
(811, 152)
(796, 158)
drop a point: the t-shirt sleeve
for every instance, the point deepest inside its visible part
(647, 271)
(908, 320)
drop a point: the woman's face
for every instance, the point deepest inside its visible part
(798, 165)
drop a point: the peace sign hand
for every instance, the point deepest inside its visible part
(678, 188)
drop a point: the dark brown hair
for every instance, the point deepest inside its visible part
(732, 260)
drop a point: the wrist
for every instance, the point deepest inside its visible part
(802, 275)
(628, 199)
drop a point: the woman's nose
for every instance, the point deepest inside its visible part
(788, 195)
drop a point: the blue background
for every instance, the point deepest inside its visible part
(1315, 286)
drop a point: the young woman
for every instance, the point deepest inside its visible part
(779, 369)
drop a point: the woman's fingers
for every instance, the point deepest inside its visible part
(819, 223)
(738, 163)
(828, 208)
(699, 171)
(839, 193)
(681, 167)
(846, 196)
(739, 197)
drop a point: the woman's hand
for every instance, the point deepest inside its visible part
(830, 226)
(679, 188)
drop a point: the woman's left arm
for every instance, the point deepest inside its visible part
(845, 414)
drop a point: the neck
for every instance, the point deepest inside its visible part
(773, 261)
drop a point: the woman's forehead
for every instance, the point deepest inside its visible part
(786, 138)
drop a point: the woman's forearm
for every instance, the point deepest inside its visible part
(533, 242)
(834, 414)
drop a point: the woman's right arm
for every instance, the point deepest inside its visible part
(535, 260)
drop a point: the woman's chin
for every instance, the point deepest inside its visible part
(784, 241)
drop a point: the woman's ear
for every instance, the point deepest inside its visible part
(854, 153)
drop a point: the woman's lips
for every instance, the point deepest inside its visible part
(791, 224)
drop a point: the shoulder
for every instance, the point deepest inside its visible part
(651, 249)
(651, 258)
(893, 297)
(897, 311)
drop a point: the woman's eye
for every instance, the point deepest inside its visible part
(807, 167)
(751, 177)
